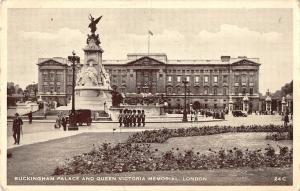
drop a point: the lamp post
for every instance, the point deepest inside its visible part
(184, 118)
(73, 124)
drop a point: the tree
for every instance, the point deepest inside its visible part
(20, 91)
(32, 90)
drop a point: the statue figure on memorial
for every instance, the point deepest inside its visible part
(87, 76)
(93, 23)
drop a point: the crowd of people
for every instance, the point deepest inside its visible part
(61, 120)
(132, 118)
(161, 135)
(129, 157)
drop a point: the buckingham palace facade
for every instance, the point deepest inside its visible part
(211, 83)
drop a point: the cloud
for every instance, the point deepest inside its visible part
(229, 40)
(63, 33)
(233, 33)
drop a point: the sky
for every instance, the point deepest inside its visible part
(266, 34)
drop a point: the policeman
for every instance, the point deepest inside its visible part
(17, 128)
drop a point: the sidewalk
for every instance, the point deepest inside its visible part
(152, 119)
(32, 138)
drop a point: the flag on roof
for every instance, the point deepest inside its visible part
(150, 32)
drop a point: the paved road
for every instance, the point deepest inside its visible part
(40, 132)
(233, 121)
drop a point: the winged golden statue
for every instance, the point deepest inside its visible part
(93, 23)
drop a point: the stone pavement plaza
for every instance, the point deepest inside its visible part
(44, 131)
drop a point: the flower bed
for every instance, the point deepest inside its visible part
(139, 157)
(161, 135)
(277, 136)
(136, 154)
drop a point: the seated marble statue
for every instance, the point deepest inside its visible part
(87, 76)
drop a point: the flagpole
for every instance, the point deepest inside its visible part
(148, 43)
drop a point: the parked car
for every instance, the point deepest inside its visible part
(239, 113)
(83, 116)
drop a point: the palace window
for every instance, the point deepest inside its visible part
(206, 91)
(244, 79)
(58, 89)
(236, 78)
(197, 89)
(215, 79)
(45, 89)
(59, 77)
(114, 80)
(169, 90)
(196, 79)
(244, 91)
(178, 90)
(70, 78)
(224, 91)
(187, 78)
(178, 78)
(215, 91)
(51, 89)
(236, 90)
(205, 79)
(251, 78)
(45, 77)
(169, 78)
(251, 91)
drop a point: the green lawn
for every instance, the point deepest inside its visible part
(42, 158)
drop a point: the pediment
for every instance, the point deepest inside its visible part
(51, 62)
(245, 62)
(145, 61)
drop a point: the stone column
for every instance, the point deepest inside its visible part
(230, 106)
(283, 105)
(246, 104)
(268, 105)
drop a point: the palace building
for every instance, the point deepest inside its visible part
(54, 80)
(211, 83)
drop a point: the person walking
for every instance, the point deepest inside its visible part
(17, 128)
(64, 122)
(30, 117)
(58, 121)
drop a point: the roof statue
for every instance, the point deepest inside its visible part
(93, 23)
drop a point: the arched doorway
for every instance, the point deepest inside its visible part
(196, 105)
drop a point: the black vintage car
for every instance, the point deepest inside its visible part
(83, 116)
(239, 113)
